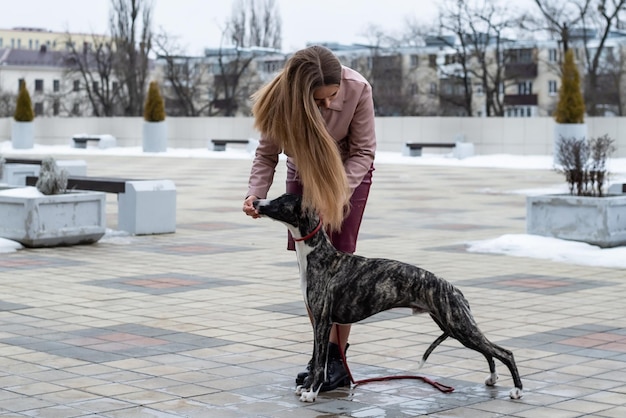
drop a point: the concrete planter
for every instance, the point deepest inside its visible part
(567, 130)
(154, 136)
(48, 221)
(598, 221)
(22, 135)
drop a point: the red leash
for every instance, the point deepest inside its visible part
(440, 386)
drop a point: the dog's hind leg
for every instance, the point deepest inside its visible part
(478, 342)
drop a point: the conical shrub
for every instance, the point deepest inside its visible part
(154, 108)
(571, 106)
(23, 106)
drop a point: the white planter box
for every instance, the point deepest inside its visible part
(22, 135)
(47, 221)
(598, 221)
(154, 136)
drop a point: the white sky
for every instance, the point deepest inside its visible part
(517, 245)
(199, 23)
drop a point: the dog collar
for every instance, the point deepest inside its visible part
(310, 234)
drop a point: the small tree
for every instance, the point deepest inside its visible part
(571, 106)
(154, 109)
(583, 162)
(23, 106)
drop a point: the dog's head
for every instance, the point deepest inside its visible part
(288, 210)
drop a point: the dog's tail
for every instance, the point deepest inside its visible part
(432, 347)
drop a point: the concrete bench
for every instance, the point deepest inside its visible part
(220, 144)
(104, 141)
(460, 149)
(617, 188)
(143, 206)
(415, 148)
(16, 170)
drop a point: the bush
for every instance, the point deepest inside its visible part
(51, 180)
(571, 106)
(154, 109)
(23, 106)
(583, 162)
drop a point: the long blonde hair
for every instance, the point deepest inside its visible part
(286, 113)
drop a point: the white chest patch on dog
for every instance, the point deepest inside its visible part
(302, 251)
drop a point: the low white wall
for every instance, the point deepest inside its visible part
(518, 136)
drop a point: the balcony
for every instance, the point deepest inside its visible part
(520, 100)
(523, 70)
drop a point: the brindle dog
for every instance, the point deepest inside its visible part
(345, 288)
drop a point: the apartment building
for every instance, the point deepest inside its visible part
(37, 39)
(424, 80)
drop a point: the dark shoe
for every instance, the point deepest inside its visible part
(337, 373)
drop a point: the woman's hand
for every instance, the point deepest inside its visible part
(248, 207)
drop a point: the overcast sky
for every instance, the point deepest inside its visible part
(199, 23)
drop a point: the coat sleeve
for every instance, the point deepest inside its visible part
(263, 168)
(361, 139)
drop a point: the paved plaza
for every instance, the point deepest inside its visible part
(210, 322)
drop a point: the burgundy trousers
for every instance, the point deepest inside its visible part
(344, 240)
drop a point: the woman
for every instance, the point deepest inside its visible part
(321, 115)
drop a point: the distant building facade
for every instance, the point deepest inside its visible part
(409, 81)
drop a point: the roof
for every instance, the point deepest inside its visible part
(29, 57)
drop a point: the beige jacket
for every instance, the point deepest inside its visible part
(349, 119)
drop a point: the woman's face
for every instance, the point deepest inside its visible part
(325, 94)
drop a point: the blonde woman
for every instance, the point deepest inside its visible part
(321, 115)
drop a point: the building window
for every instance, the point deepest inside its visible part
(432, 61)
(414, 60)
(433, 89)
(56, 86)
(19, 83)
(525, 87)
(94, 86)
(114, 86)
(76, 85)
(478, 87)
(56, 107)
(76, 109)
(553, 55)
(39, 85)
(39, 108)
(552, 87)
(30, 44)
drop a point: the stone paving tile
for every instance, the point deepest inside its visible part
(209, 321)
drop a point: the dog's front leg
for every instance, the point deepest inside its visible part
(317, 375)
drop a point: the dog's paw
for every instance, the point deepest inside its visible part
(308, 396)
(492, 379)
(516, 393)
(299, 390)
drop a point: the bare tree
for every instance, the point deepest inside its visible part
(131, 30)
(480, 40)
(186, 86)
(586, 21)
(92, 64)
(253, 28)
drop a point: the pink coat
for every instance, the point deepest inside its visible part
(349, 119)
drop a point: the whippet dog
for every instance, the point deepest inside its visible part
(345, 288)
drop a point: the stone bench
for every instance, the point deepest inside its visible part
(617, 188)
(104, 141)
(460, 149)
(143, 206)
(16, 170)
(220, 144)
